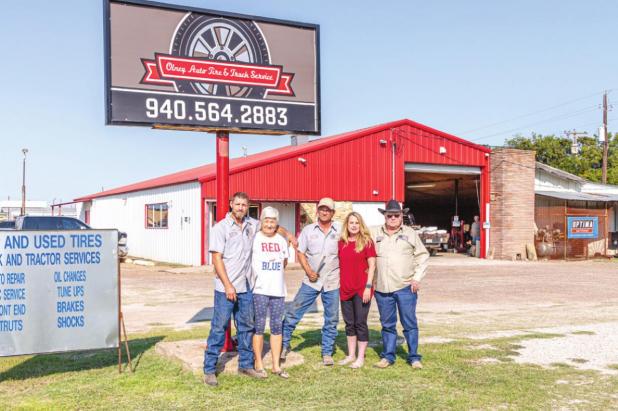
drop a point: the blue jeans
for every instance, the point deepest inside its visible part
(404, 301)
(303, 300)
(242, 309)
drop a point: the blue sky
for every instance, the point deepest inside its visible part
(455, 66)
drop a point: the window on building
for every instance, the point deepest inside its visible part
(156, 215)
(254, 212)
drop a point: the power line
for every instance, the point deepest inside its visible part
(597, 123)
(559, 117)
(533, 113)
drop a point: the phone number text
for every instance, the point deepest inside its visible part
(211, 112)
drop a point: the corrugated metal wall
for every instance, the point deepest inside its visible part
(179, 243)
(359, 170)
(347, 171)
(415, 145)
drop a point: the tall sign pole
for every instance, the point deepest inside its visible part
(223, 198)
(223, 173)
(605, 142)
(23, 183)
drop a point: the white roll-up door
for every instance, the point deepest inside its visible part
(441, 169)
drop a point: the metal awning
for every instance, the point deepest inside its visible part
(441, 169)
(573, 195)
(609, 197)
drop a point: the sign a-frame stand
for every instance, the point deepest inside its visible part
(121, 327)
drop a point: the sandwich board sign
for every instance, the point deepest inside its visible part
(59, 291)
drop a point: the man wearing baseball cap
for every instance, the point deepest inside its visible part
(318, 255)
(401, 264)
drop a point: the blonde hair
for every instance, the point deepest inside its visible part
(363, 238)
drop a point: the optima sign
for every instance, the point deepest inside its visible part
(583, 227)
(186, 68)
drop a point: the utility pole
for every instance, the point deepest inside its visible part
(573, 134)
(605, 142)
(23, 183)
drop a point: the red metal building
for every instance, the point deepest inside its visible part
(400, 160)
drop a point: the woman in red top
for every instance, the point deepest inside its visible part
(357, 262)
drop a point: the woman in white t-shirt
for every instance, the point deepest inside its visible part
(269, 258)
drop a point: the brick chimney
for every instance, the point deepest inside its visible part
(512, 202)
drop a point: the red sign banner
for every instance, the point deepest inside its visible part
(165, 69)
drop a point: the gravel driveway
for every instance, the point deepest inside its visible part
(461, 297)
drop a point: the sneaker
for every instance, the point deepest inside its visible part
(284, 353)
(416, 364)
(250, 372)
(383, 363)
(211, 380)
(327, 360)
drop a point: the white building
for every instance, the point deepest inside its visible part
(9, 209)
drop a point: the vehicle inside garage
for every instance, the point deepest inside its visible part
(438, 195)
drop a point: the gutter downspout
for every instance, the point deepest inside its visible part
(394, 147)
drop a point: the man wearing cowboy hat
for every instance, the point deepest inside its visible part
(318, 255)
(401, 264)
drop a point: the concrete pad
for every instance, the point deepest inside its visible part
(190, 353)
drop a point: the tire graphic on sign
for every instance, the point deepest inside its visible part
(221, 39)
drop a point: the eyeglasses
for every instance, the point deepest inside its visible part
(392, 215)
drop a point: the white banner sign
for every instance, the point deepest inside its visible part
(58, 291)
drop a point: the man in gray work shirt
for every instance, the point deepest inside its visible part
(317, 254)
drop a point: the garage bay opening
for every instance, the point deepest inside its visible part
(443, 202)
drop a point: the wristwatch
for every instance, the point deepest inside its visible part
(368, 286)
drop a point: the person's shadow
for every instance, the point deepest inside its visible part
(46, 364)
(310, 338)
(206, 313)
(375, 343)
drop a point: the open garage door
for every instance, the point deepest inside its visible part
(436, 194)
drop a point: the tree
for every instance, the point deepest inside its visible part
(556, 152)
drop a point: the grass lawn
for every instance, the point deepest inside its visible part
(464, 374)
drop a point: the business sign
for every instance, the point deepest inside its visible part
(582, 227)
(181, 67)
(58, 291)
